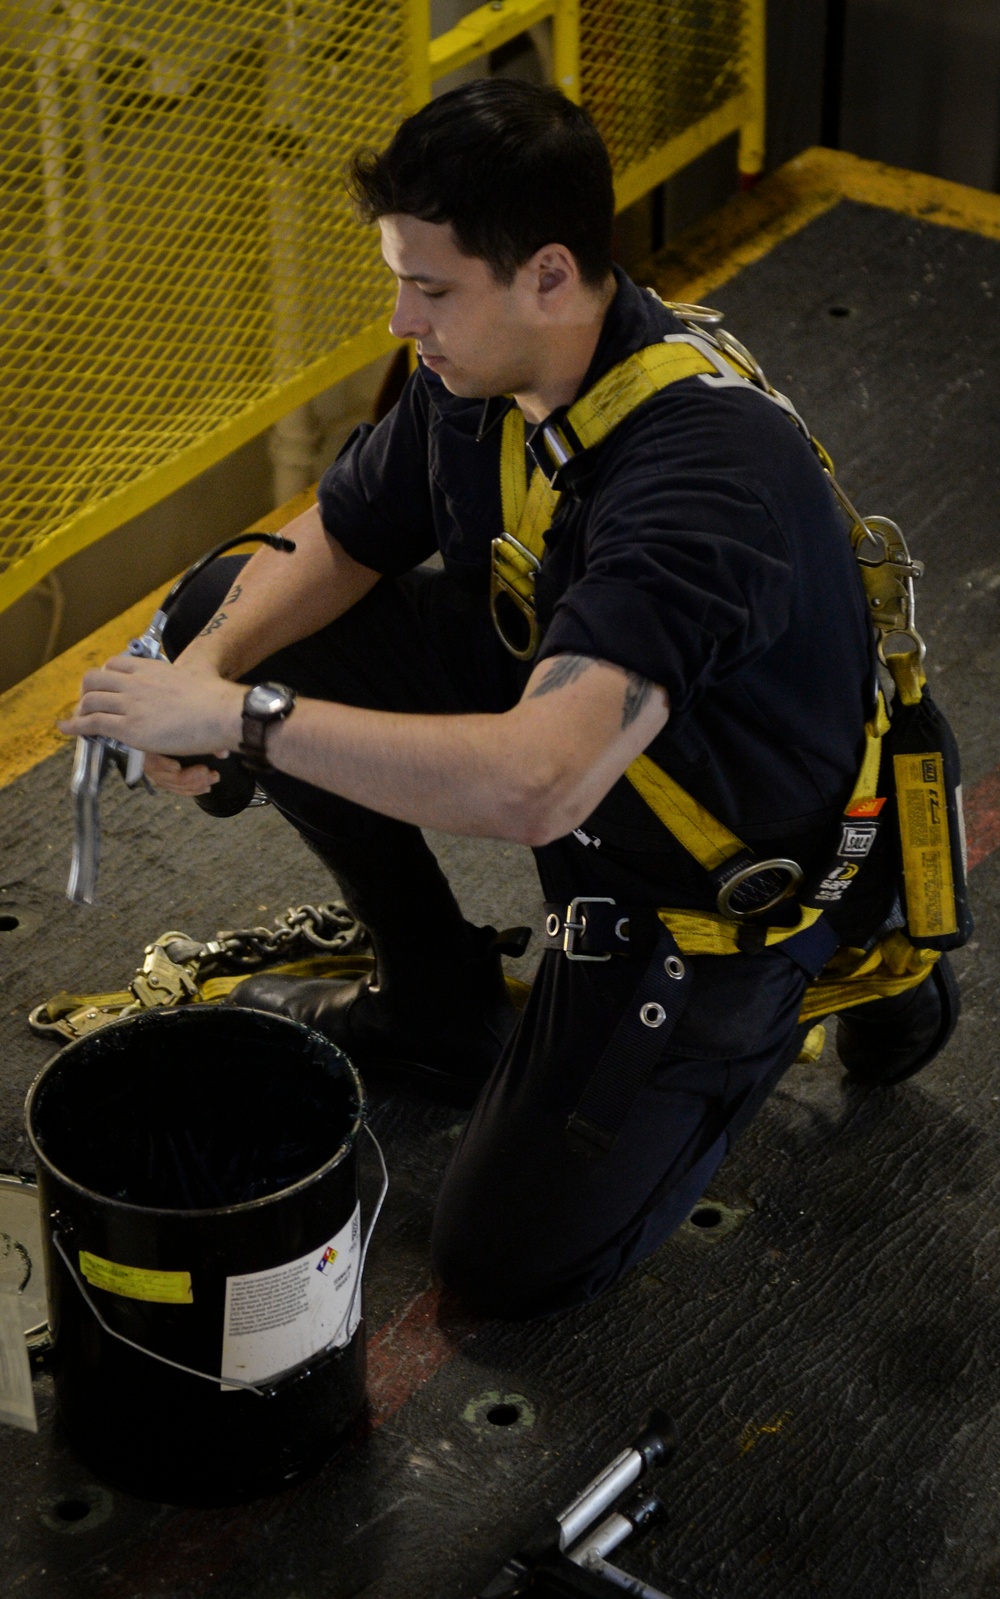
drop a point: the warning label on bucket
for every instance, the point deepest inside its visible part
(276, 1318)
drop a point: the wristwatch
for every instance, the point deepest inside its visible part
(264, 704)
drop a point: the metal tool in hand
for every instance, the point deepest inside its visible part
(569, 1555)
(95, 755)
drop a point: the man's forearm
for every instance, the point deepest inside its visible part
(279, 598)
(530, 774)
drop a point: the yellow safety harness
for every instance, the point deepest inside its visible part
(747, 888)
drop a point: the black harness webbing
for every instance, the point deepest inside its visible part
(638, 1041)
(598, 929)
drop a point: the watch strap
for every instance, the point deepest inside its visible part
(253, 745)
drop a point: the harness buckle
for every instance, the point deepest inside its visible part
(758, 887)
(576, 925)
(512, 596)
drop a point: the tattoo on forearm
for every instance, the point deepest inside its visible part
(637, 692)
(565, 669)
(220, 616)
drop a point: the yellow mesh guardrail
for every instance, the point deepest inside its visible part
(180, 265)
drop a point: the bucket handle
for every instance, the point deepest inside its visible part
(285, 1377)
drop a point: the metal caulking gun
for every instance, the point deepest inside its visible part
(94, 756)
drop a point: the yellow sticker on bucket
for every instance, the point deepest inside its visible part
(135, 1282)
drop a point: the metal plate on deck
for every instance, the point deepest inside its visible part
(22, 1268)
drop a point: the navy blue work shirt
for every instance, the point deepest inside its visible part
(705, 553)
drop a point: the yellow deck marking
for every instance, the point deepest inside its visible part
(746, 228)
(29, 711)
(700, 260)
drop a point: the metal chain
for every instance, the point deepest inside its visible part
(329, 927)
(174, 966)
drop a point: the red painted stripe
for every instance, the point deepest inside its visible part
(408, 1350)
(193, 1549)
(982, 817)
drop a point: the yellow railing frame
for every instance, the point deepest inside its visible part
(478, 33)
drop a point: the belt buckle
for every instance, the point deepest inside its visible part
(571, 926)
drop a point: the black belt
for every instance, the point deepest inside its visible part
(595, 928)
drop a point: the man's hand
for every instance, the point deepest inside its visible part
(185, 782)
(162, 709)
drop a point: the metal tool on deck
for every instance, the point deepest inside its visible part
(567, 1558)
(95, 756)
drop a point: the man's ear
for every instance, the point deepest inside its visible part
(556, 268)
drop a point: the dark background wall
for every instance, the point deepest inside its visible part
(915, 83)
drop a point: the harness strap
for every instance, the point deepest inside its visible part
(632, 1051)
(528, 508)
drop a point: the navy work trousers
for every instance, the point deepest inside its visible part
(524, 1225)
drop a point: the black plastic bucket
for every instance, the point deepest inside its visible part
(197, 1172)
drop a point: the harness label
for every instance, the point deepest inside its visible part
(866, 807)
(836, 882)
(276, 1318)
(923, 830)
(857, 841)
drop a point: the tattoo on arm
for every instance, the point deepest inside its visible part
(220, 616)
(565, 669)
(637, 692)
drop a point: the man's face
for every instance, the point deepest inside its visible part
(479, 335)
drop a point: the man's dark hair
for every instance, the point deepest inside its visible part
(510, 165)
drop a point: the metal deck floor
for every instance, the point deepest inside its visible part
(830, 1356)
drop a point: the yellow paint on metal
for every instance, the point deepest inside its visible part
(751, 225)
(753, 129)
(29, 711)
(650, 71)
(669, 158)
(120, 506)
(182, 263)
(566, 48)
(184, 266)
(483, 30)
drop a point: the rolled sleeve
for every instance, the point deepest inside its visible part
(684, 585)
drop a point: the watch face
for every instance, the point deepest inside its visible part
(265, 699)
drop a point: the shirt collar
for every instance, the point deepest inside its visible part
(634, 318)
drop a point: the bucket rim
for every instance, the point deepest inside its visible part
(358, 1121)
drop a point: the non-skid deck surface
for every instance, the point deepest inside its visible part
(830, 1351)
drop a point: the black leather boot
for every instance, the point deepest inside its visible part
(888, 1040)
(436, 1011)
